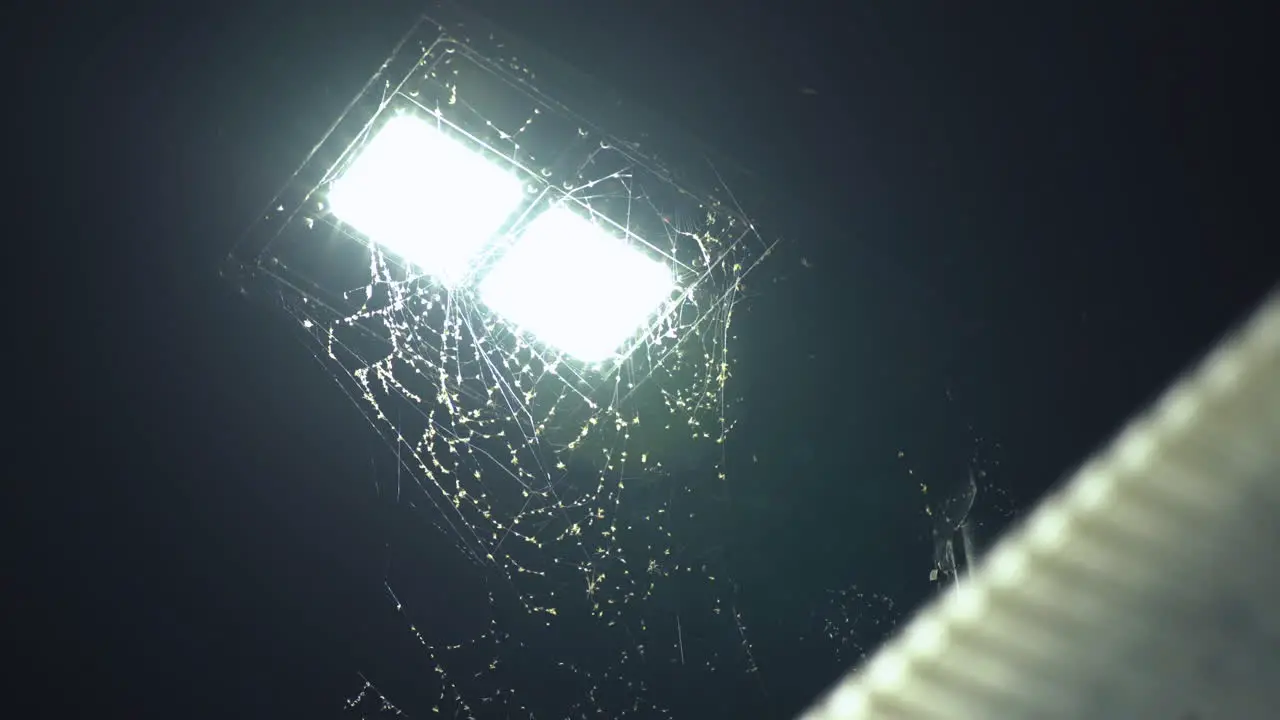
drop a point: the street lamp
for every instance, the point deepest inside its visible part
(532, 313)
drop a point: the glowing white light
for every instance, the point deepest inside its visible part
(574, 286)
(425, 197)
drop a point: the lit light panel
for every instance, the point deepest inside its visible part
(425, 197)
(574, 286)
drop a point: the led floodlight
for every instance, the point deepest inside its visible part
(425, 197)
(576, 287)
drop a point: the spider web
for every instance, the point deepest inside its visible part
(572, 488)
(581, 498)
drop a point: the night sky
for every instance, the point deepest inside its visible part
(1003, 229)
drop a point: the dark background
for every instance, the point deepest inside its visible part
(1006, 228)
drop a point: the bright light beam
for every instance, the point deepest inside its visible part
(425, 197)
(575, 287)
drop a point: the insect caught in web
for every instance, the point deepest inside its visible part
(951, 526)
